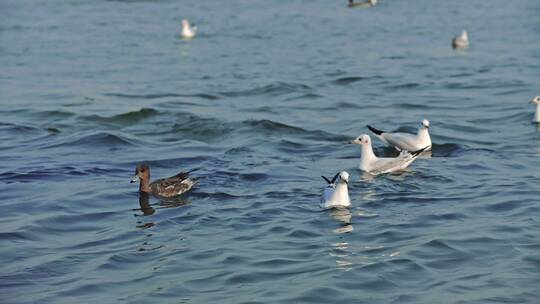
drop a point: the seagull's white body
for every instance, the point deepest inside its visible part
(536, 101)
(369, 3)
(380, 165)
(461, 41)
(406, 141)
(336, 193)
(188, 31)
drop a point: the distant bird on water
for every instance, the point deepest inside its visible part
(166, 187)
(188, 31)
(536, 101)
(461, 41)
(368, 3)
(406, 141)
(336, 193)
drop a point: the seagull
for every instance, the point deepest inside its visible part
(188, 31)
(369, 3)
(461, 41)
(336, 194)
(379, 165)
(536, 101)
(406, 141)
(166, 187)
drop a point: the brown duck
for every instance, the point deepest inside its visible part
(165, 187)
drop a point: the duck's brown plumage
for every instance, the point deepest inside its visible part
(165, 187)
(173, 186)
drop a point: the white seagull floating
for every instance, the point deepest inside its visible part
(369, 3)
(406, 141)
(536, 101)
(379, 165)
(461, 41)
(336, 193)
(188, 31)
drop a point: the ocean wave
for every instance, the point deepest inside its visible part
(18, 129)
(274, 89)
(201, 128)
(123, 119)
(272, 126)
(99, 139)
(446, 149)
(269, 126)
(210, 129)
(404, 86)
(162, 95)
(254, 177)
(50, 174)
(348, 80)
(59, 173)
(485, 84)
(305, 96)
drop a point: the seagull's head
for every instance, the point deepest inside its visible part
(344, 177)
(373, 2)
(425, 124)
(142, 172)
(535, 100)
(464, 35)
(363, 139)
(185, 23)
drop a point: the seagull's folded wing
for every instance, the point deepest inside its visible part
(386, 165)
(327, 194)
(402, 141)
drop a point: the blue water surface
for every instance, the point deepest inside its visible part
(263, 101)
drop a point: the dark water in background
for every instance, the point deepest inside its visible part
(263, 100)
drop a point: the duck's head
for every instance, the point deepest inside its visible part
(363, 139)
(535, 100)
(425, 124)
(344, 177)
(142, 172)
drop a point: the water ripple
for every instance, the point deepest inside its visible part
(274, 89)
(161, 96)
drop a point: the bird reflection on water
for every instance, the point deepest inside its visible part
(340, 251)
(147, 209)
(144, 202)
(343, 216)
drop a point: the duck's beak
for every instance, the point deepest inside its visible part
(134, 179)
